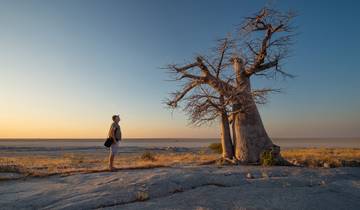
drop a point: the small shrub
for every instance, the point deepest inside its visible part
(216, 147)
(267, 159)
(10, 169)
(148, 156)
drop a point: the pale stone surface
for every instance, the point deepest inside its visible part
(195, 187)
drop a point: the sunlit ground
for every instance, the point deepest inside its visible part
(77, 162)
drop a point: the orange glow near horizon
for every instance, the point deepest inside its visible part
(78, 129)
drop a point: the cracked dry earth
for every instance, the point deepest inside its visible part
(191, 187)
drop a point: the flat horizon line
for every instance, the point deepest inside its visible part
(165, 138)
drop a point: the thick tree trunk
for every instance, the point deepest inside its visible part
(250, 137)
(226, 143)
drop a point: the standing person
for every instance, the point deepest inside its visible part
(115, 135)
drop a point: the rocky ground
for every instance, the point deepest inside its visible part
(189, 187)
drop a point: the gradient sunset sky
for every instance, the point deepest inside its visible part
(67, 66)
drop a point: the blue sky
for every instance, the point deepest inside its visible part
(67, 66)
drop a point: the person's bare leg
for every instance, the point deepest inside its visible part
(111, 162)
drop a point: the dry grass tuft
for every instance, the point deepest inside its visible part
(142, 196)
(148, 156)
(317, 157)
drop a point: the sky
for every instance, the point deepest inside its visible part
(67, 66)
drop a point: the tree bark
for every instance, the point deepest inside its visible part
(226, 143)
(250, 137)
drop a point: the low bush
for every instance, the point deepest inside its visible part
(148, 156)
(216, 147)
(10, 169)
(267, 159)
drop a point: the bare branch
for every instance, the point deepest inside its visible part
(260, 95)
(277, 34)
(179, 95)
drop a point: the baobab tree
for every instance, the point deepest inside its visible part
(257, 50)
